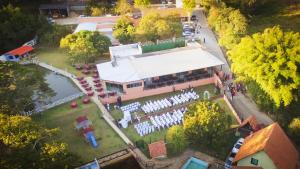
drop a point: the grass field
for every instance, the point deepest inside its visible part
(288, 17)
(117, 114)
(64, 118)
(221, 102)
(57, 58)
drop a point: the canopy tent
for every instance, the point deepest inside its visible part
(138, 68)
(21, 50)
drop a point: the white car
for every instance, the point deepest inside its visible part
(237, 145)
(228, 163)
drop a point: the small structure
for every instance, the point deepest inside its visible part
(55, 10)
(87, 26)
(123, 51)
(17, 54)
(157, 149)
(249, 125)
(85, 127)
(268, 148)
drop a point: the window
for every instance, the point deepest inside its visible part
(254, 161)
(134, 85)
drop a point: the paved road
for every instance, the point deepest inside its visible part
(243, 105)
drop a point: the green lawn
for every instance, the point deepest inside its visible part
(288, 17)
(117, 114)
(58, 58)
(64, 118)
(221, 102)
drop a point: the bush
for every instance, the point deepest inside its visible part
(294, 129)
(51, 37)
(175, 138)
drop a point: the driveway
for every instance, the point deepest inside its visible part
(242, 104)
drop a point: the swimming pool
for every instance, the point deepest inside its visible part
(194, 163)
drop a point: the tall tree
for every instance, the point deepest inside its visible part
(17, 27)
(18, 85)
(141, 4)
(152, 27)
(294, 129)
(124, 30)
(205, 123)
(272, 60)
(176, 140)
(189, 6)
(25, 144)
(123, 7)
(85, 46)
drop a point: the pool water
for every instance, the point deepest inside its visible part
(194, 163)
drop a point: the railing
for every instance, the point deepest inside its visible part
(53, 104)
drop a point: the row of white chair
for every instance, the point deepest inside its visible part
(144, 128)
(131, 107)
(157, 105)
(160, 122)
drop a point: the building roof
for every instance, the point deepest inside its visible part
(122, 51)
(157, 149)
(275, 143)
(252, 122)
(88, 26)
(138, 68)
(21, 50)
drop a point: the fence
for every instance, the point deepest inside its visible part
(163, 45)
(53, 104)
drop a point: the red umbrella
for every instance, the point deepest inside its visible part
(85, 85)
(91, 93)
(85, 71)
(86, 100)
(96, 81)
(83, 81)
(112, 94)
(88, 88)
(87, 67)
(78, 67)
(102, 95)
(99, 89)
(95, 76)
(74, 104)
(80, 78)
(95, 71)
(98, 84)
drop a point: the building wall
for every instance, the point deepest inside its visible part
(138, 92)
(263, 161)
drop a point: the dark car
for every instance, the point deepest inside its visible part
(193, 18)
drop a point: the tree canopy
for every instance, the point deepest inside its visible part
(230, 24)
(294, 129)
(26, 144)
(18, 84)
(189, 5)
(205, 123)
(141, 3)
(152, 27)
(85, 46)
(272, 60)
(123, 7)
(124, 30)
(176, 139)
(17, 27)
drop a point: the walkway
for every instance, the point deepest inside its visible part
(245, 106)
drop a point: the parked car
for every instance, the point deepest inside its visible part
(234, 151)
(228, 162)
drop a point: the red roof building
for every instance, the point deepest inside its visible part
(268, 145)
(158, 149)
(21, 51)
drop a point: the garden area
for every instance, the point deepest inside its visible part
(64, 117)
(142, 142)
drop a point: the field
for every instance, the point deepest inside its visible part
(288, 17)
(64, 118)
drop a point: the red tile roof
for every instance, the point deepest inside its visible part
(252, 122)
(21, 50)
(157, 149)
(275, 143)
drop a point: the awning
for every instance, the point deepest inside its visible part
(21, 50)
